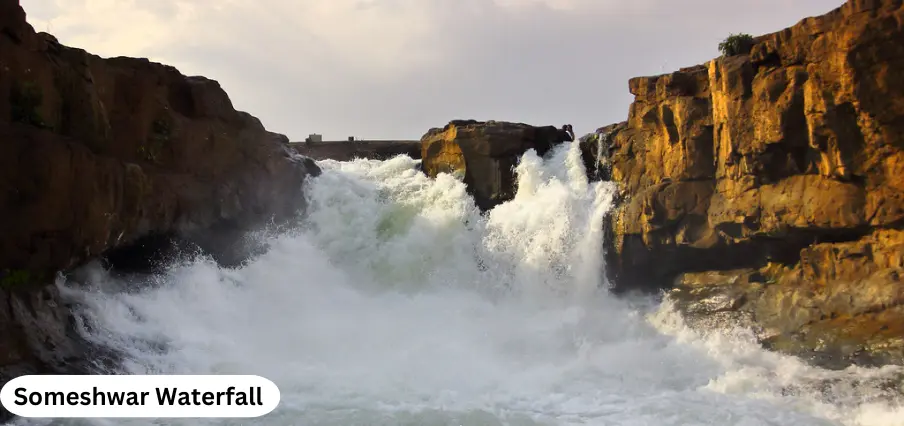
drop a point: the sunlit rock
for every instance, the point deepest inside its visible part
(787, 163)
(484, 154)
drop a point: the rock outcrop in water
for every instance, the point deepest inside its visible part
(484, 154)
(769, 187)
(100, 154)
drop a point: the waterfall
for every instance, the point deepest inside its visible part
(395, 302)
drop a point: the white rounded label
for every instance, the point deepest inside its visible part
(140, 396)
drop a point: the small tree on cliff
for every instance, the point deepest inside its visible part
(736, 44)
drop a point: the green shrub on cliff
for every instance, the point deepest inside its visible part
(590, 138)
(25, 99)
(736, 44)
(14, 278)
(161, 132)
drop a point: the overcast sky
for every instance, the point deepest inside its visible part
(392, 69)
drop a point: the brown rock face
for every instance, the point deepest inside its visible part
(484, 154)
(792, 155)
(842, 304)
(96, 154)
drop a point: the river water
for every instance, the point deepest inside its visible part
(396, 303)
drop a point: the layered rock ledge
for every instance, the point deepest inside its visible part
(767, 189)
(484, 154)
(99, 155)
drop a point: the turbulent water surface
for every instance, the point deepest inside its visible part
(396, 303)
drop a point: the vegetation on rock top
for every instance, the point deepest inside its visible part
(737, 44)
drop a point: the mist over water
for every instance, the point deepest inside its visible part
(396, 303)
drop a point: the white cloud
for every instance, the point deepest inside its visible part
(394, 68)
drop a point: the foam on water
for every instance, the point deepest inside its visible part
(396, 303)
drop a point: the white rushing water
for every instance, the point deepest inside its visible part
(397, 303)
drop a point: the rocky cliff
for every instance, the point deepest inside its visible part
(767, 188)
(484, 154)
(98, 155)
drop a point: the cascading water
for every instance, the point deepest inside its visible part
(396, 303)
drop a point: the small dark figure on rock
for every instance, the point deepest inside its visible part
(568, 133)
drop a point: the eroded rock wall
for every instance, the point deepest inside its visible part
(786, 164)
(97, 154)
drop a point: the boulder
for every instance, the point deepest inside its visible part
(100, 155)
(763, 162)
(484, 154)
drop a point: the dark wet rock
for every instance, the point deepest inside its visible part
(101, 154)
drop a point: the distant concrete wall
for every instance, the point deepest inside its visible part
(347, 150)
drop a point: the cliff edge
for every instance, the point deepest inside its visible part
(98, 155)
(767, 189)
